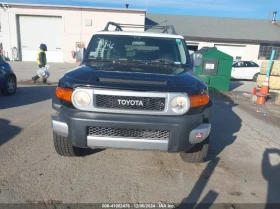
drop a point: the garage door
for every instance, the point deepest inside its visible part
(35, 30)
(237, 52)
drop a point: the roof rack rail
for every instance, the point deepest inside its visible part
(120, 26)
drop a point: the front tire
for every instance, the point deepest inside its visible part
(197, 153)
(10, 86)
(255, 77)
(64, 148)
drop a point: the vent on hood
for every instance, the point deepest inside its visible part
(122, 81)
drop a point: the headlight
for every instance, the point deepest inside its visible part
(180, 104)
(81, 99)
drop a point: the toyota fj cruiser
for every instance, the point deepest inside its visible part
(133, 90)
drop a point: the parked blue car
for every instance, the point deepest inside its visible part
(8, 80)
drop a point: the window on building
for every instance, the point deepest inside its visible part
(266, 50)
(192, 48)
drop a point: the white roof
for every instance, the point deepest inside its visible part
(69, 6)
(139, 33)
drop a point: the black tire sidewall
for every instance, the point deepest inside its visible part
(64, 148)
(5, 88)
(198, 153)
(255, 77)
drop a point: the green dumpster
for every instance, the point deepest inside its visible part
(215, 68)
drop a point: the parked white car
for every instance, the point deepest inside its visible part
(246, 70)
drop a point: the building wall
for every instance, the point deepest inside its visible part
(251, 51)
(0, 30)
(74, 25)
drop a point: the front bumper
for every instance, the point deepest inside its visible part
(185, 131)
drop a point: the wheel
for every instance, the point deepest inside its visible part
(10, 86)
(255, 77)
(197, 153)
(64, 148)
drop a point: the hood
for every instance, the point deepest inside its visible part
(133, 76)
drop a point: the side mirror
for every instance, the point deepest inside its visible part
(197, 59)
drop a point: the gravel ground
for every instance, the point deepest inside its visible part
(242, 167)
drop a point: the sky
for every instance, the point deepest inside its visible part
(218, 8)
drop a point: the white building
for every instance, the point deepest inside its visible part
(0, 31)
(246, 39)
(61, 28)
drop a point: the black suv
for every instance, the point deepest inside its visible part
(133, 90)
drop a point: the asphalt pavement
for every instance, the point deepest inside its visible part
(26, 70)
(243, 164)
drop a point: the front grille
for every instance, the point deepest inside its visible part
(127, 133)
(130, 103)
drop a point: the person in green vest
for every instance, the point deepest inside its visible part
(41, 61)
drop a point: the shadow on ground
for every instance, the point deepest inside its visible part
(225, 123)
(191, 201)
(7, 131)
(271, 173)
(26, 95)
(234, 84)
(89, 151)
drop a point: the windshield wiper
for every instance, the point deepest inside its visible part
(99, 59)
(163, 62)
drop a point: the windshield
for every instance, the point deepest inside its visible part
(137, 48)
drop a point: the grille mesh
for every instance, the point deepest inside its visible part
(111, 102)
(127, 133)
